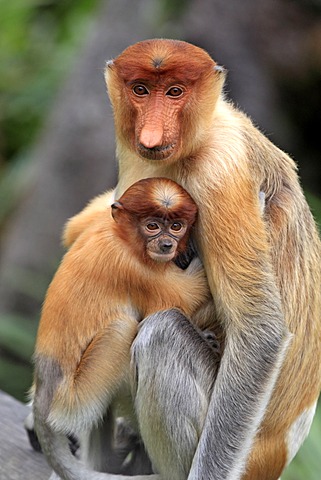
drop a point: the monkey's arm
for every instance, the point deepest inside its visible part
(72, 398)
(237, 261)
(71, 402)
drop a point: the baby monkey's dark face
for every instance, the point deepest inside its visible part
(163, 237)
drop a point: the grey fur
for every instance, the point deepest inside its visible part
(66, 466)
(175, 369)
(56, 445)
(175, 373)
(254, 365)
(48, 375)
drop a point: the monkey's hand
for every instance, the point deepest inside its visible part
(184, 259)
(212, 340)
(33, 439)
(195, 267)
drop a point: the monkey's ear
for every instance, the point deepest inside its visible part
(109, 63)
(116, 208)
(220, 69)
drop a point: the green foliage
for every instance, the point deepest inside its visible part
(13, 180)
(307, 464)
(315, 205)
(17, 337)
(37, 39)
(174, 8)
(19, 381)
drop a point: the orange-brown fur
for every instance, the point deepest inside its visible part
(223, 161)
(257, 267)
(102, 289)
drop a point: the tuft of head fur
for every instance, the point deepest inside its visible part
(159, 197)
(156, 57)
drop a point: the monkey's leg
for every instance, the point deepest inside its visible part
(175, 369)
(55, 444)
(276, 444)
(81, 395)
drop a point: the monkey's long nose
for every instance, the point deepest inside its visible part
(151, 137)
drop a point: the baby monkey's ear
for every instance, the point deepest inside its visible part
(116, 210)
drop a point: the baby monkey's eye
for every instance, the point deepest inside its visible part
(152, 226)
(176, 226)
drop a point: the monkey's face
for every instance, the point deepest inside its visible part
(157, 126)
(162, 238)
(163, 95)
(149, 119)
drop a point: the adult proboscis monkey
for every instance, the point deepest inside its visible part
(172, 120)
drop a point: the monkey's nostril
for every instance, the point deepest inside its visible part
(166, 246)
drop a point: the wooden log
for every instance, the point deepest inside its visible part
(18, 461)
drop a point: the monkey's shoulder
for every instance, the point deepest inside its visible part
(97, 210)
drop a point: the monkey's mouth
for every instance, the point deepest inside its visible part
(156, 153)
(162, 257)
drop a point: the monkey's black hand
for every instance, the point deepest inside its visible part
(33, 439)
(34, 442)
(212, 339)
(184, 259)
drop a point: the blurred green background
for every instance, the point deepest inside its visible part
(56, 133)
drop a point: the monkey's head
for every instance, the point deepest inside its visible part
(154, 217)
(163, 94)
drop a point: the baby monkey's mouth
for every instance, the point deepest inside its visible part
(162, 257)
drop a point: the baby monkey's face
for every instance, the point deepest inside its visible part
(162, 237)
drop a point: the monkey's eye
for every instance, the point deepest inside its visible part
(140, 90)
(174, 92)
(177, 227)
(152, 226)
